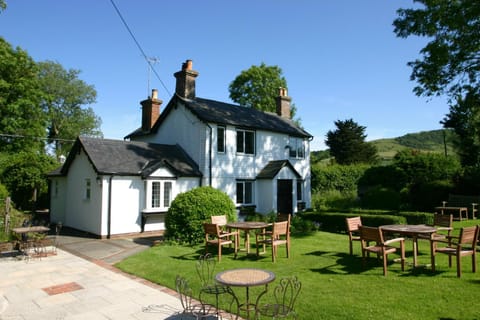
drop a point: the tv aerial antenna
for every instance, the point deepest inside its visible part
(151, 61)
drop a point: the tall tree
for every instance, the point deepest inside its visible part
(347, 143)
(464, 119)
(451, 60)
(22, 121)
(64, 96)
(450, 64)
(257, 87)
(23, 174)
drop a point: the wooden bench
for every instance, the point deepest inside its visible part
(461, 204)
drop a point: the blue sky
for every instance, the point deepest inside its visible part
(340, 58)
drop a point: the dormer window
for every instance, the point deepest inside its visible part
(245, 141)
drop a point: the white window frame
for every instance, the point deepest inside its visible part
(299, 190)
(242, 133)
(297, 148)
(221, 144)
(165, 197)
(243, 183)
(88, 189)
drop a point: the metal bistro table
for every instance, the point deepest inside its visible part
(412, 231)
(247, 226)
(246, 277)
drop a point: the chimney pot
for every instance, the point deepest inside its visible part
(283, 104)
(150, 111)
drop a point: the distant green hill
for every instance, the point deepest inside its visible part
(428, 141)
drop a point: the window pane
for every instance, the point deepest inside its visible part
(239, 192)
(220, 139)
(299, 190)
(301, 148)
(88, 188)
(249, 142)
(167, 194)
(248, 192)
(155, 194)
(293, 150)
(240, 141)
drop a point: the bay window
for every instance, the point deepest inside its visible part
(158, 194)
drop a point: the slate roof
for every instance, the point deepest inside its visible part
(273, 168)
(132, 157)
(212, 111)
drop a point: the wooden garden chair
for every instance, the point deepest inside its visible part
(381, 247)
(464, 245)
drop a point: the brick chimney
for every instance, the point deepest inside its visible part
(283, 103)
(150, 110)
(185, 87)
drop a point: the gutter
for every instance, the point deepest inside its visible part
(109, 214)
(210, 155)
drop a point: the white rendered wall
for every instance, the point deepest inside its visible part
(125, 211)
(183, 128)
(81, 213)
(229, 166)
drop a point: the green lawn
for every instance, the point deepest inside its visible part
(335, 286)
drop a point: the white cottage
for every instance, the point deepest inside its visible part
(112, 187)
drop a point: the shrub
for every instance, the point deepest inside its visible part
(189, 210)
(426, 196)
(381, 198)
(333, 199)
(469, 181)
(343, 178)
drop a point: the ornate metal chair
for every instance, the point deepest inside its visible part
(285, 295)
(205, 269)
(191, 308)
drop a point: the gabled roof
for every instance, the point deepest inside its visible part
(132, 157)
(273, 168)
(211, 111)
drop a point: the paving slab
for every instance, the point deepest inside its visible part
(65, 286)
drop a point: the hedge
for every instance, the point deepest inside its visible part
(335, 221)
